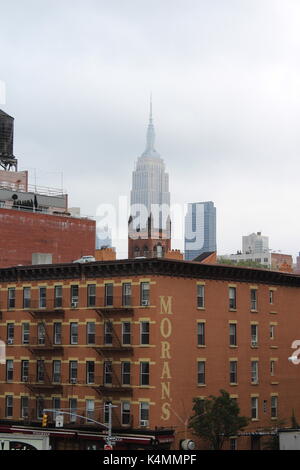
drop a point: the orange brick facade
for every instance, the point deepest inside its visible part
(165, 303)
(22, 233)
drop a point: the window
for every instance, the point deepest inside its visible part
(254, 407)
(108, 330)
(57, 371)
(145, 332)
(55, 406)
(9, 370)
(272, 367)
(42, 297)
(24, 407)
(73, 409)
(58, 296)
(254, 335)
(272, 331)
(91, 295)
(109, 295)
(74, 296)
(24, 370)
(40, 370)
(126, 294)
(91, 333)
(200, 296)
(232, 298)
(271, 296)
(125, 372)
(254, 372)
(40, 407)
(233, 372)
(25, 333)
(201, 373)
(107, 366)
(73, 372)
(73, 333)
(41, 334)
(90, 372)
(145, 294)
(253, 299)
(274, 406)
(233, 443)
(126, 333)
(9, 411)
(26, 297)
(10, 333)
(57, 333)
(144, 373)
(125, 413)
(90, 409)
(232, 334)
(201, 334)
(144, 413)
(11, 300)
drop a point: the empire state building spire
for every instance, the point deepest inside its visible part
(150, 151)
(149, 225)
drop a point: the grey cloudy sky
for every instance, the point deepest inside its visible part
(225, 78)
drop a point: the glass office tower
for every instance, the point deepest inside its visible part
(200, 229)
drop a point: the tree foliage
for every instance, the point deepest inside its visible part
(217, 418)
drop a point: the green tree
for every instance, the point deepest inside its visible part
(217, 418)
(248, 264)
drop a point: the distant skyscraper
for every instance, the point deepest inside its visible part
(200, 229)
(149, 223)
(255, 243)
(103, 237)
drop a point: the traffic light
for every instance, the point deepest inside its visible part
(44, 420)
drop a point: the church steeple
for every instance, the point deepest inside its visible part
(150, 150)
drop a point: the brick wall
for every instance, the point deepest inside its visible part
(22, 234)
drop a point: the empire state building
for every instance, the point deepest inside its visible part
(149, 230)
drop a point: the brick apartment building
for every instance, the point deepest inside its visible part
(37, 220)
(148, 335)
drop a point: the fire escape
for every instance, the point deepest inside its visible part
(110, 347)
(42, 346)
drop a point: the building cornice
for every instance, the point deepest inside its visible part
(153, 266)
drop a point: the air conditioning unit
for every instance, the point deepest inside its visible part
(73, 381)
(144, 422)
(74, 304)
(10, 341)
(254, 343)
(145, 303)
(25, 378)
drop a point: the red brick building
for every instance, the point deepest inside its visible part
(148, 335)
(23, 233)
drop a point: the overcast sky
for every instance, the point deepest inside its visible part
(225, 79)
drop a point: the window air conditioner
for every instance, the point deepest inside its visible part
(74, 304)
(10, 341)
(73, 381)
(145, 303)
(144, 422)
(253, 343)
